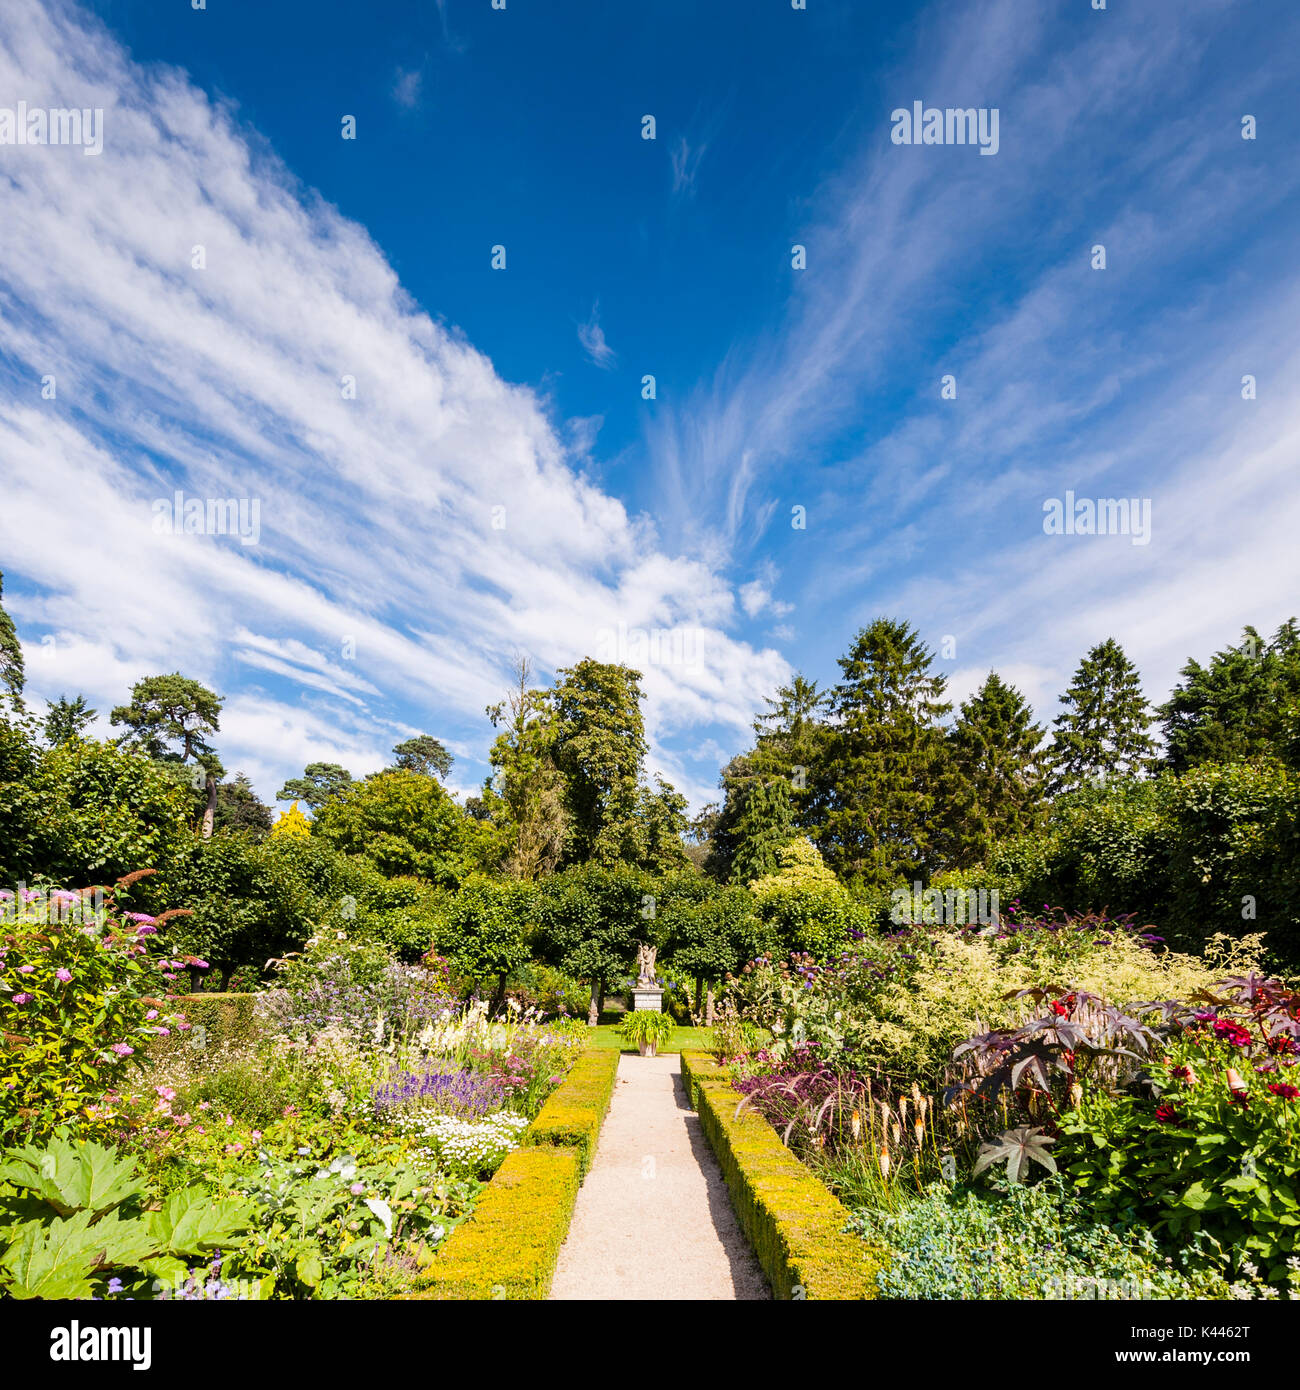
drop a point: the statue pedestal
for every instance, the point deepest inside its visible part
(648, 997)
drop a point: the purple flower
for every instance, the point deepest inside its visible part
(26, 969)
(115, 1286)
(122, 1049)
(64, 975)
(22, 998)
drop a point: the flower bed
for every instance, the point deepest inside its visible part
(1049, 1121)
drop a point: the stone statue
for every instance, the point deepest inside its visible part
(645, 964)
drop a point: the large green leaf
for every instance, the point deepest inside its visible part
(73, 1177)
(192, 1223)
(53, 1261)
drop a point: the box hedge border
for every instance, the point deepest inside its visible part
(508, 1247)
(794, 1223)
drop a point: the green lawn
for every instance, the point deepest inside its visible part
(606, 1034)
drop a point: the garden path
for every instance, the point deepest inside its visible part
(653, 1218)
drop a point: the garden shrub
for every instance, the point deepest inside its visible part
(1211, 1141)
(1027, 1243)
(83, 995)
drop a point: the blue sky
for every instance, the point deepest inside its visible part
(388, 592)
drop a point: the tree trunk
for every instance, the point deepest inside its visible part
(211, 809)
(699, 995)
(708, 1009)
(498, 998)
(593, 1010)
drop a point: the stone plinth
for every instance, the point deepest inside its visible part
(648, 997)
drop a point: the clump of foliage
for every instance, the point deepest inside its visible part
(1026, 1243)
(83, 992)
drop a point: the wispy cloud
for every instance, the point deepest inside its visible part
(592, 337)
(685, 159)
(421, 519)
(408, 87)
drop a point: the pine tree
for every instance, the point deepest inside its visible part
(1233, 709)
(319, 783)
(166, 710)
(1103, 730)
(998, 788)
(885, 770)
(425, 755)
(765, 824)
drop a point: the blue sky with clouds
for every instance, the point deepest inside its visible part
(500, 486)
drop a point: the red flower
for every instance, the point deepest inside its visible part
(1059, 1009)
(1166, 1114)
(1185, 1074)
(1280, 1088)
(1232, 1032)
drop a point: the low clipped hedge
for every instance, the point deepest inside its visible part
(508, 1247)
(794, 1223)
(574, 1113)
(216, 1021)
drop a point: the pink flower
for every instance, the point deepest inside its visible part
(64, 975)
(230, 1120)
(183, 1120)
(256, 1136)
(26, 969)
(152, 1014)
(234, 1149)
(22, 998)
(165, 1092)
(357, 1189)
(122, 1049)
(205, 1105)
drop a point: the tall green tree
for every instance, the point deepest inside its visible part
(591, 920)
(171, 718)
(998, 783)
(885, 770)
(1233, 710)
(240, 808)
(1102, 731)
(425, 755)
(67, 719)
(12, 676)
(319, 783)
(525, 796)
(597, 741)
(402, 822)
(765, 824)
(790, 739)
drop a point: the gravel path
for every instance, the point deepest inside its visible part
(653, 1219)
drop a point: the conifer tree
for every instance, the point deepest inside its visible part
(998, 788)
(1233, 709)
(885, 771)
(1102, 732)
(765, 824)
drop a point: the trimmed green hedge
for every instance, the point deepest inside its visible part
(227, 1020)
(572, 1117)
(508, 1247)
(794, 1223)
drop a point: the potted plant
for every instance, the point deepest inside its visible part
(648, 1029)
